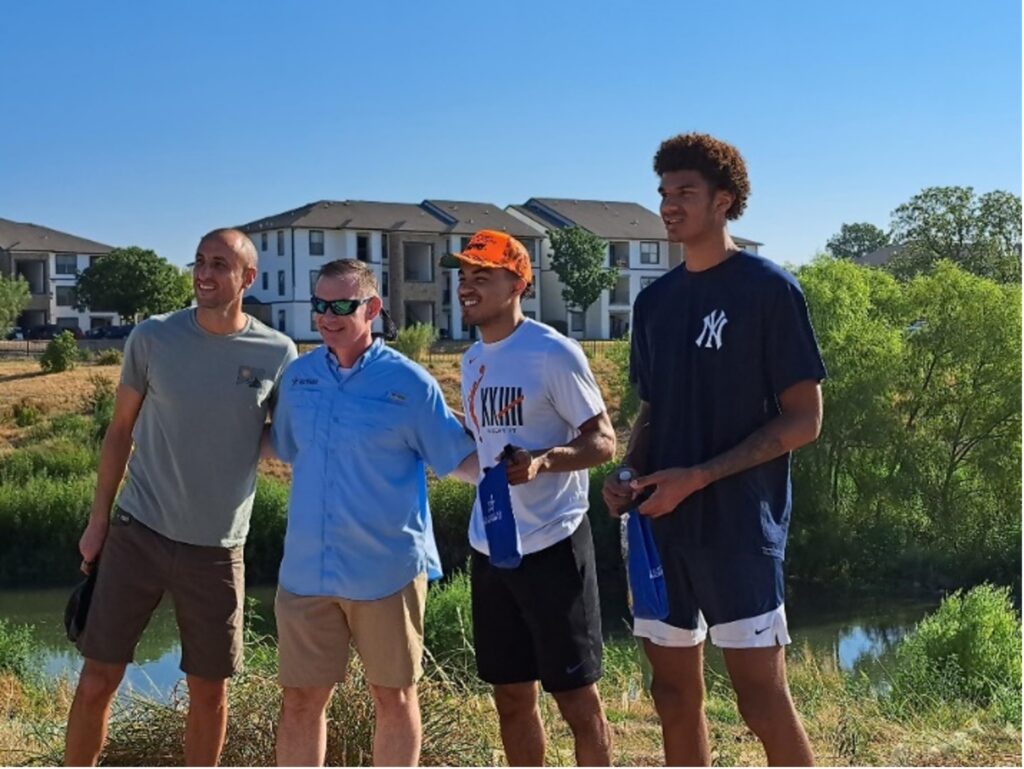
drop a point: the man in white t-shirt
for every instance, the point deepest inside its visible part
(526, 386)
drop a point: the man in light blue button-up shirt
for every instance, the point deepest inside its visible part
(358, 422)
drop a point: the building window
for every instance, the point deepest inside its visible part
(363, 247)
(618, 254)
(419, 262)
(464, 244)
(313, 275)
(67, 264)
(266, 281)
(312, 321)
(280, 242)
(531, 290)
(263, 241)
(281, 321)
(67, 322)
(384, 246)
(576, 321)
(649, 253)
(531, 247)
(647, 280)
(384, 284)
(65, 296)
(316, 242)
(280, 282)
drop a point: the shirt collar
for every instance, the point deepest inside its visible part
(372, 353)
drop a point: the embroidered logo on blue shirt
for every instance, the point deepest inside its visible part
(304, 381)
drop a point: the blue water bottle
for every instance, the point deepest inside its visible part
(506, 550)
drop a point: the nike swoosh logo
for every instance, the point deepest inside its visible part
(758, 632)
(573, 669)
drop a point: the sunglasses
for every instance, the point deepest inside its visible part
(338, 306)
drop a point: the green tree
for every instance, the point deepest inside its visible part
(578, 258)
(131, 282)
(982, 234)
(14, 298)
(856, 240)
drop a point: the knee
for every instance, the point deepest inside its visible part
(389, 701)
(515, 700)
(98, 681)
(581, 709)
(674, 700)
(304, 703)
(207, 693)
(760, 706)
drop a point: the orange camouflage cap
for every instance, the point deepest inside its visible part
(490, 248)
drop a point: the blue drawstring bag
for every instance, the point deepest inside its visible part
(506, 550)
(646, 578)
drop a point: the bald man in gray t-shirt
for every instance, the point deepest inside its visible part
(196, 388)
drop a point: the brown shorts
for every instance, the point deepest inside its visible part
(136, 567)
(314, 633)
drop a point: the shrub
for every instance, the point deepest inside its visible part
(448, 626)
(41, 520)
(26, 413)
(968, 649)
(414, 341)
(73, 427)
(100, 404)
(56, 458)
(16, 649)
(61, 354)
(264, 546)
(109, 357)
(451, 503)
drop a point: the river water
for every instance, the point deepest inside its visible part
(858, 633)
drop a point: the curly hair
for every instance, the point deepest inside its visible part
(719, 163)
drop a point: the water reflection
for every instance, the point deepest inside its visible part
(859, 635)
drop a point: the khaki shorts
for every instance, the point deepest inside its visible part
(314, 633)
(137, 565)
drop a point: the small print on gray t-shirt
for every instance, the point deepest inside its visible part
(192, 476)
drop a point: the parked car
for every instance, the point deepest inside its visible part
(16, 334)
(98, 332)
(50, 331)
(118, 332)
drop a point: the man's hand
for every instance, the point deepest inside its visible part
(617, 494)
(521, 465)
(672, 486)
(91, 543)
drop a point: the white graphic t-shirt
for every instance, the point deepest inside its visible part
(533, 390)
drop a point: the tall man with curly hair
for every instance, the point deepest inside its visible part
(728, 373)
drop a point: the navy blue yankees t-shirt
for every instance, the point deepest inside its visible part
(711, 351)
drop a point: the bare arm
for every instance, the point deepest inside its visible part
(117, 445)
(595, 444)
(468, 469)
(618, 494)
(797, 425)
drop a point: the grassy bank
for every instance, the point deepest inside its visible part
(849, 721)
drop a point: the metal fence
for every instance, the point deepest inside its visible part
(33, 348)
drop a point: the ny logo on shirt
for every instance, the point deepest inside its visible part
(712, 331)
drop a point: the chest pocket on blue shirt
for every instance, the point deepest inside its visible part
(303, 412)
(372, 421)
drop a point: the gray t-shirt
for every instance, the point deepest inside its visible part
(192, 476)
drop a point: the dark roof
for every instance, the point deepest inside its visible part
(878, 257)
(352, 215)
(611, 220)
(465, 218)
(22, 236)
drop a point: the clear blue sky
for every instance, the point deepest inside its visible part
(150, 123)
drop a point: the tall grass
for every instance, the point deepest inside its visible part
(414, 341)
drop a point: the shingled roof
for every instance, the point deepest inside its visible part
(23, 236)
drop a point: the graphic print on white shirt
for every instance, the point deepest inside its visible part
(533, 390)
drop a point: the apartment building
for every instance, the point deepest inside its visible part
(49, 261)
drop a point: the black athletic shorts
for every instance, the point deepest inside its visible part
(541, 620)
